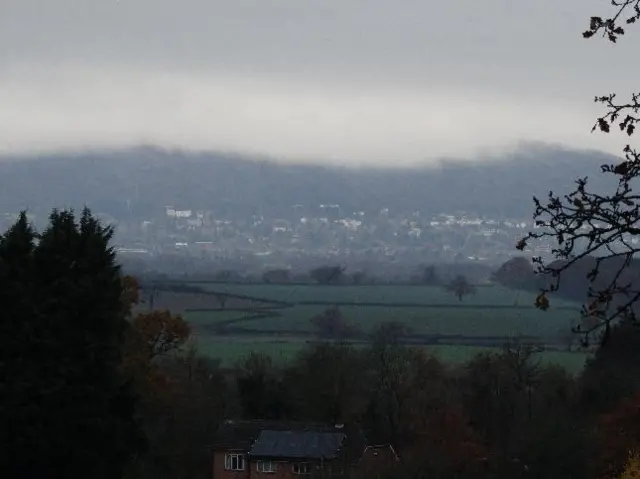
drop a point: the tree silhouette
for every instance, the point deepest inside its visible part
(429, 275)
(460, 287)
(584, 223)
(260, 387)
(328, 382)
(67, 409)
(516, 273)
(332, 324)
(327, 274)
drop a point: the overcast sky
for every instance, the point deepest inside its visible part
(340, 80)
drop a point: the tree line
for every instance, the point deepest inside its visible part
(332, 274)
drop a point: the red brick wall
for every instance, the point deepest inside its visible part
(284, 470)
(219, 472)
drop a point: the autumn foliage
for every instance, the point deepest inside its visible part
(449, 446)
(632, 466)
(618, 432)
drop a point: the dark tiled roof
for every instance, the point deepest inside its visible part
(240, 435)
(297, 444)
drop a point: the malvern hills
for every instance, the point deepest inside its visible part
(142, 181)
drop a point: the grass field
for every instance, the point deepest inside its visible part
(282, 351)
(426, 310)
(388, 294)
(423, 320)
(263, 311)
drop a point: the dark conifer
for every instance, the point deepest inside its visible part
(66, 410)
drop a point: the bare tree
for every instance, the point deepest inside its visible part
(460, 287)
(597, 229)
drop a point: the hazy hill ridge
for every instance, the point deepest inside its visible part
(142, 181)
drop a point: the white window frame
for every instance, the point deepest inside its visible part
(229, 459)
(301, 468)
(266, 467)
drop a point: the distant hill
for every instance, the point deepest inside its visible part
(142, 181)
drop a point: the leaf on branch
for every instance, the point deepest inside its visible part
(603, 125)
(522, 244)
(622, 168)
(542, 302)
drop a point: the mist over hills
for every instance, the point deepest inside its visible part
(140, 182)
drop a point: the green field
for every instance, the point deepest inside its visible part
(204, 317)
(282, 351)
(423, 320)
(492, 311)
(388, 294)
(263, 312)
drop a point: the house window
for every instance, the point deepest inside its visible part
(337, 470)
(234, 462)
(266, 466)
(301, 468)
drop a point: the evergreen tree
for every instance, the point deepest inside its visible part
(67, 410)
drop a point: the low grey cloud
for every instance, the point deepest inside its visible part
(355, 81)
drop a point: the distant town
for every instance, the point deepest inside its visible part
(181, 239)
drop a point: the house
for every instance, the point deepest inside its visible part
(277, 450)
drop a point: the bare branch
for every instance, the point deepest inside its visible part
(625, 10)
(589, 228)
